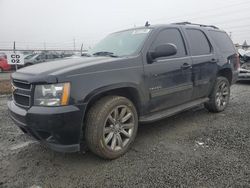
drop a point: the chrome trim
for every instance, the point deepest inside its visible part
(15, 87)
(170, 90)
(22, 95)
(22, 82)
(24, 106)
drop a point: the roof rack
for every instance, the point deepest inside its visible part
(201, 25)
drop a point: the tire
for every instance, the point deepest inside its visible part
(111, 126)
(219, 98)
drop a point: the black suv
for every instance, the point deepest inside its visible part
(138, 75)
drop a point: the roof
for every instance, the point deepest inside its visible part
(187, 24)
(195, 24)
(182, 24)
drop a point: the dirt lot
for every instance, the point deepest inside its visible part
(5, 87)
(193, 149)
(5, 75)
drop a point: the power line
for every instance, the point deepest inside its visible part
(194, 13)
(207, 10)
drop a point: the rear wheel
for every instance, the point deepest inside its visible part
(111, 126)
(219, 98)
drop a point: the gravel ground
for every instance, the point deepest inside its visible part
(192, 149)
(5, 75)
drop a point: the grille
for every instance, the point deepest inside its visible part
(21, 84)
(22, 93)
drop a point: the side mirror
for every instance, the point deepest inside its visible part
(163, 50)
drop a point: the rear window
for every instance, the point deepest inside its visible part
(222, 41)
(199, 44)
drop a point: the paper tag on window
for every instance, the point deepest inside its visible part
(140, 31)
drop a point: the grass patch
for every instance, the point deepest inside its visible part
(5, 87)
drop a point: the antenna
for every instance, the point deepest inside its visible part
(147, 24)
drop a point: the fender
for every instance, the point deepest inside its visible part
(107, 88)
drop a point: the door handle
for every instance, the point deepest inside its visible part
(214, 60)
(186, 66)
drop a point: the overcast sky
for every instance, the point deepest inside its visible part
(56, 23)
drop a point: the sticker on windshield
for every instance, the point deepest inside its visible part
(140, 31)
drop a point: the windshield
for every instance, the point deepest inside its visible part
(30, 56)
(121, 43)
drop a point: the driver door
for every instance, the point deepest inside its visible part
(169, 79)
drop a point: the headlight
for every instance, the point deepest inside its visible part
(52, 94)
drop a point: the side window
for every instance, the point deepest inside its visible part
(199, 44)
(173, 36)
(42, 56)
(223, 41)
(38, 57)
(49, 56)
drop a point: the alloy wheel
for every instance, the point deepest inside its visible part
(118, 128)
(222, 95)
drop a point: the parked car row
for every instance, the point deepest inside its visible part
(40, 57)
(31, 59)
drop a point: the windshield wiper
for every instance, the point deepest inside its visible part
(103, 53)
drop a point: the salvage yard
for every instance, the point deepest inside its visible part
(194, 149)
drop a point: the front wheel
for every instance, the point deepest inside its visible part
(111, 126)
(219, 98)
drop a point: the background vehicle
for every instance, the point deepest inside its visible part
(40, 57)
(244, 72)
(4, 66)
(137, 75)
(28, 56)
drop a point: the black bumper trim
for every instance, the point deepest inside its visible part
(53, 146)
(63, 131)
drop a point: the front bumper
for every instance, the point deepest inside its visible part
(59, 128)
(244, 74)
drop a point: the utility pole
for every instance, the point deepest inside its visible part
(81, 48)
(44, 45)
(14, 50)
(74, 43)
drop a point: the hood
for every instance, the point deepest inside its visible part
(47, 72)
(60, 65)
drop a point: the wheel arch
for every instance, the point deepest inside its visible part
(227, 73)
(129, 91)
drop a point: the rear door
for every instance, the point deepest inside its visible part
(226, 51)
(169, 79)
(204, 62)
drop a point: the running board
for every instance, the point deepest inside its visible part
(171, 111)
